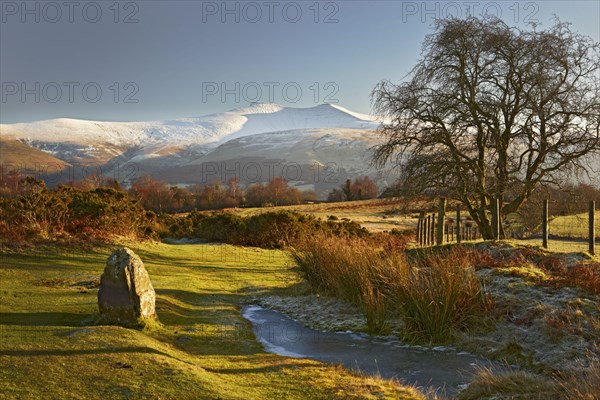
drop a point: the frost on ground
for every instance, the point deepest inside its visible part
(318, 312)
(535, 324)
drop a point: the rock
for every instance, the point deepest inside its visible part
(126, 296)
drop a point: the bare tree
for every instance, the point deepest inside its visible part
(492, 111)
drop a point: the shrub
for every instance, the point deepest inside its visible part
(98, 214)
(219, 227)
(274, 229)
(277, 229)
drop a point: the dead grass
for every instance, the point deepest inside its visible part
(369, 387)
(489, 384)
(583, 384)
(582, 275)
(438, 294)
(433, 294)
(553, 270)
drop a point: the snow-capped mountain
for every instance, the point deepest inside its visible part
(257, 118)
(324, 136)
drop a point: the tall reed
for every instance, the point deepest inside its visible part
(437, 294)
(433, 294)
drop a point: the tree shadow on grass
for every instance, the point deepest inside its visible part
(210, 323)
(58, 352)
(182, 307)
(257, 370)
(44, 319)
(59, 262)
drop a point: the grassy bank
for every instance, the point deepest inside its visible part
(518, 305)
(51, 349)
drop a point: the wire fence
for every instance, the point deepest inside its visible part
(571, 231)
(550, 224)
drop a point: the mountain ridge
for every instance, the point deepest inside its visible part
(260, 135)
(206, 129)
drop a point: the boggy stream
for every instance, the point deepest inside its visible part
(442, 369)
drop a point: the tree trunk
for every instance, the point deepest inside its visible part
(484, 224)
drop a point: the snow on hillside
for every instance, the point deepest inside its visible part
(342, 147)
(266, 118)
(213, 128)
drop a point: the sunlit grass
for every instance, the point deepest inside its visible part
(574, 226)
(49, 347)
(377, 215)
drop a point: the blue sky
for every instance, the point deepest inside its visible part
(146, 60)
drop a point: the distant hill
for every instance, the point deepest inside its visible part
(18, 156)
(314, 148)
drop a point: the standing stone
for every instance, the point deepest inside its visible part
(126, 295)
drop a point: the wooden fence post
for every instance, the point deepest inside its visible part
(418, 235)
(426, 230)
(429, 223)
(545, 229)
(496, 218)
(458, 226)
(441, 221)
(432, 233)
(419, 228)
(592, 229)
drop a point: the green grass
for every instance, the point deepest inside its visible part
(573, 226)
(557, 246)
(49, 347)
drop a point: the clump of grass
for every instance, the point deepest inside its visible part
(438, 294)
(365, 386)
(582, 384)
(489, 384)
(434, 294)
(572, 320)
(585, 384)
(527, 271)
(373, 304)
(346, 269)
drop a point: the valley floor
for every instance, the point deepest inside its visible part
(50, 347)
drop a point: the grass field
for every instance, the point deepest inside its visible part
(50, 348)
(573, 226)
(560, 245)
(377, 215)
(380, 215)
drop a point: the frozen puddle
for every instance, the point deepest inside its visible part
(441, 369)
